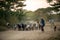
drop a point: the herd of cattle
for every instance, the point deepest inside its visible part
(23, 27)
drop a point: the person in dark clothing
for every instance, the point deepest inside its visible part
(42, 24)
(54, 28)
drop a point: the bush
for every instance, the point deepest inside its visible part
(3, 28)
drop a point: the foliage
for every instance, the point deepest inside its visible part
(46, 13)
(6, 15)
(42, 12)
(6, 4)
(55, 5)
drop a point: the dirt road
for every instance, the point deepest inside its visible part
(27, 35)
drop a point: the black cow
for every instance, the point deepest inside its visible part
(19, 26)
(23, 26)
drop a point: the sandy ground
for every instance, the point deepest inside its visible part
(27, 35)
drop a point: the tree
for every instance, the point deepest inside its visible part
(6, 7)
(55, 6)
(11, 4)
(41, 12)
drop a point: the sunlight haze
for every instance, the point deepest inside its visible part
(35, 4)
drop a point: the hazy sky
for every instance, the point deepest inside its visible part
(35, 4)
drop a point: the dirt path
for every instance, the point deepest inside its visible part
(25, 35)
